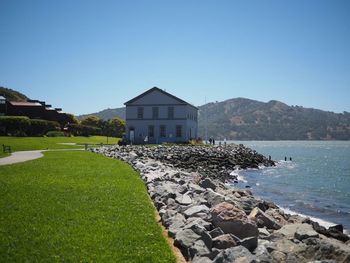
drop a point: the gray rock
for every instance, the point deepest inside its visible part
(305, 231)
(184, 199)
(262, 254)
(182, 189)
(213, 198)
(198, 221)
(224, 241)
(204, 235)
(216, 232)
(263, 233)
(167, 216)
(263, 219)
(235, 254)
(207, 183)
(299, 231)
(175, 223)
(199, 248)
(184, 240)
(194, 210)
(198, 259)
(196, 188)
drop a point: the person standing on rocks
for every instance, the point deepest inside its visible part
(210, 140)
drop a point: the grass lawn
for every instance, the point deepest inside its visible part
(77, 206)
(42, 143)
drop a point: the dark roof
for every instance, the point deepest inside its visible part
(160, 90)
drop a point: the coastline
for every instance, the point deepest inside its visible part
(322, 222)
(186, 184)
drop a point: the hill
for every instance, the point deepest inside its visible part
(12, 95)
(245, 119)
(107, 114)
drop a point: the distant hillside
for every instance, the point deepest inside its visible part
(12, 95)
(107, 114)
(244, 119)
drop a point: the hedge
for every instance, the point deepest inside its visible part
(23, 126)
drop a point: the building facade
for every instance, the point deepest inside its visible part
(33, 109)
(156, 116)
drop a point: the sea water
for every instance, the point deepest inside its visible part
(315, 183)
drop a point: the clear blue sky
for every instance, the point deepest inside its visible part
(85, 56)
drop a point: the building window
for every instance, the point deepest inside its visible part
(151, 131)
(170, 112)
(155, 112)
(140, 113)
(178, 131)
(162, 131)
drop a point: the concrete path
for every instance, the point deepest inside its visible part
(22, 156)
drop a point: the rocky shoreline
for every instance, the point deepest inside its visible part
(211, 221)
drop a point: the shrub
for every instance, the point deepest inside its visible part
(23, 126)
(83, 130)
(41, 127)
(14, 125)
(55, 134)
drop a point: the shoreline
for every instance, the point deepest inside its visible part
(210, 221)
(244, 179)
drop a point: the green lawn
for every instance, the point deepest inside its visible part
(42, 143)
(77, 206)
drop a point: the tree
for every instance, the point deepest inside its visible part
(116, 126)
(92, 121)
(70, 118)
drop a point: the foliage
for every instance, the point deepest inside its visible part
(92, 121)
(41, 127)
(83, 207)
(71, 118)
(243, 119)
(12, 95)
(83, 130)
(43, 143)
(55, 134)
(108, 114)
(114, 127)
(23, 126)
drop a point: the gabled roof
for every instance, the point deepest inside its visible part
(2, 98)
(161, 91)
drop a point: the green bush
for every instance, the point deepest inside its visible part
(14, 125)
(23, 126)
(55, 134)
(83, 130)
(41, 127)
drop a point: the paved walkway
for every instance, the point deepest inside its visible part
(23, 156)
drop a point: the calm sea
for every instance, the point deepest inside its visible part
(315, 183)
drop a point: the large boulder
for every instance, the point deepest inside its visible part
(264, 220)
(235, 254)
(224, 241)
(195, 210)
(298, 231)
(233, 220)
(184, 240)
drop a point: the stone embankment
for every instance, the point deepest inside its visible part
(211, 221)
